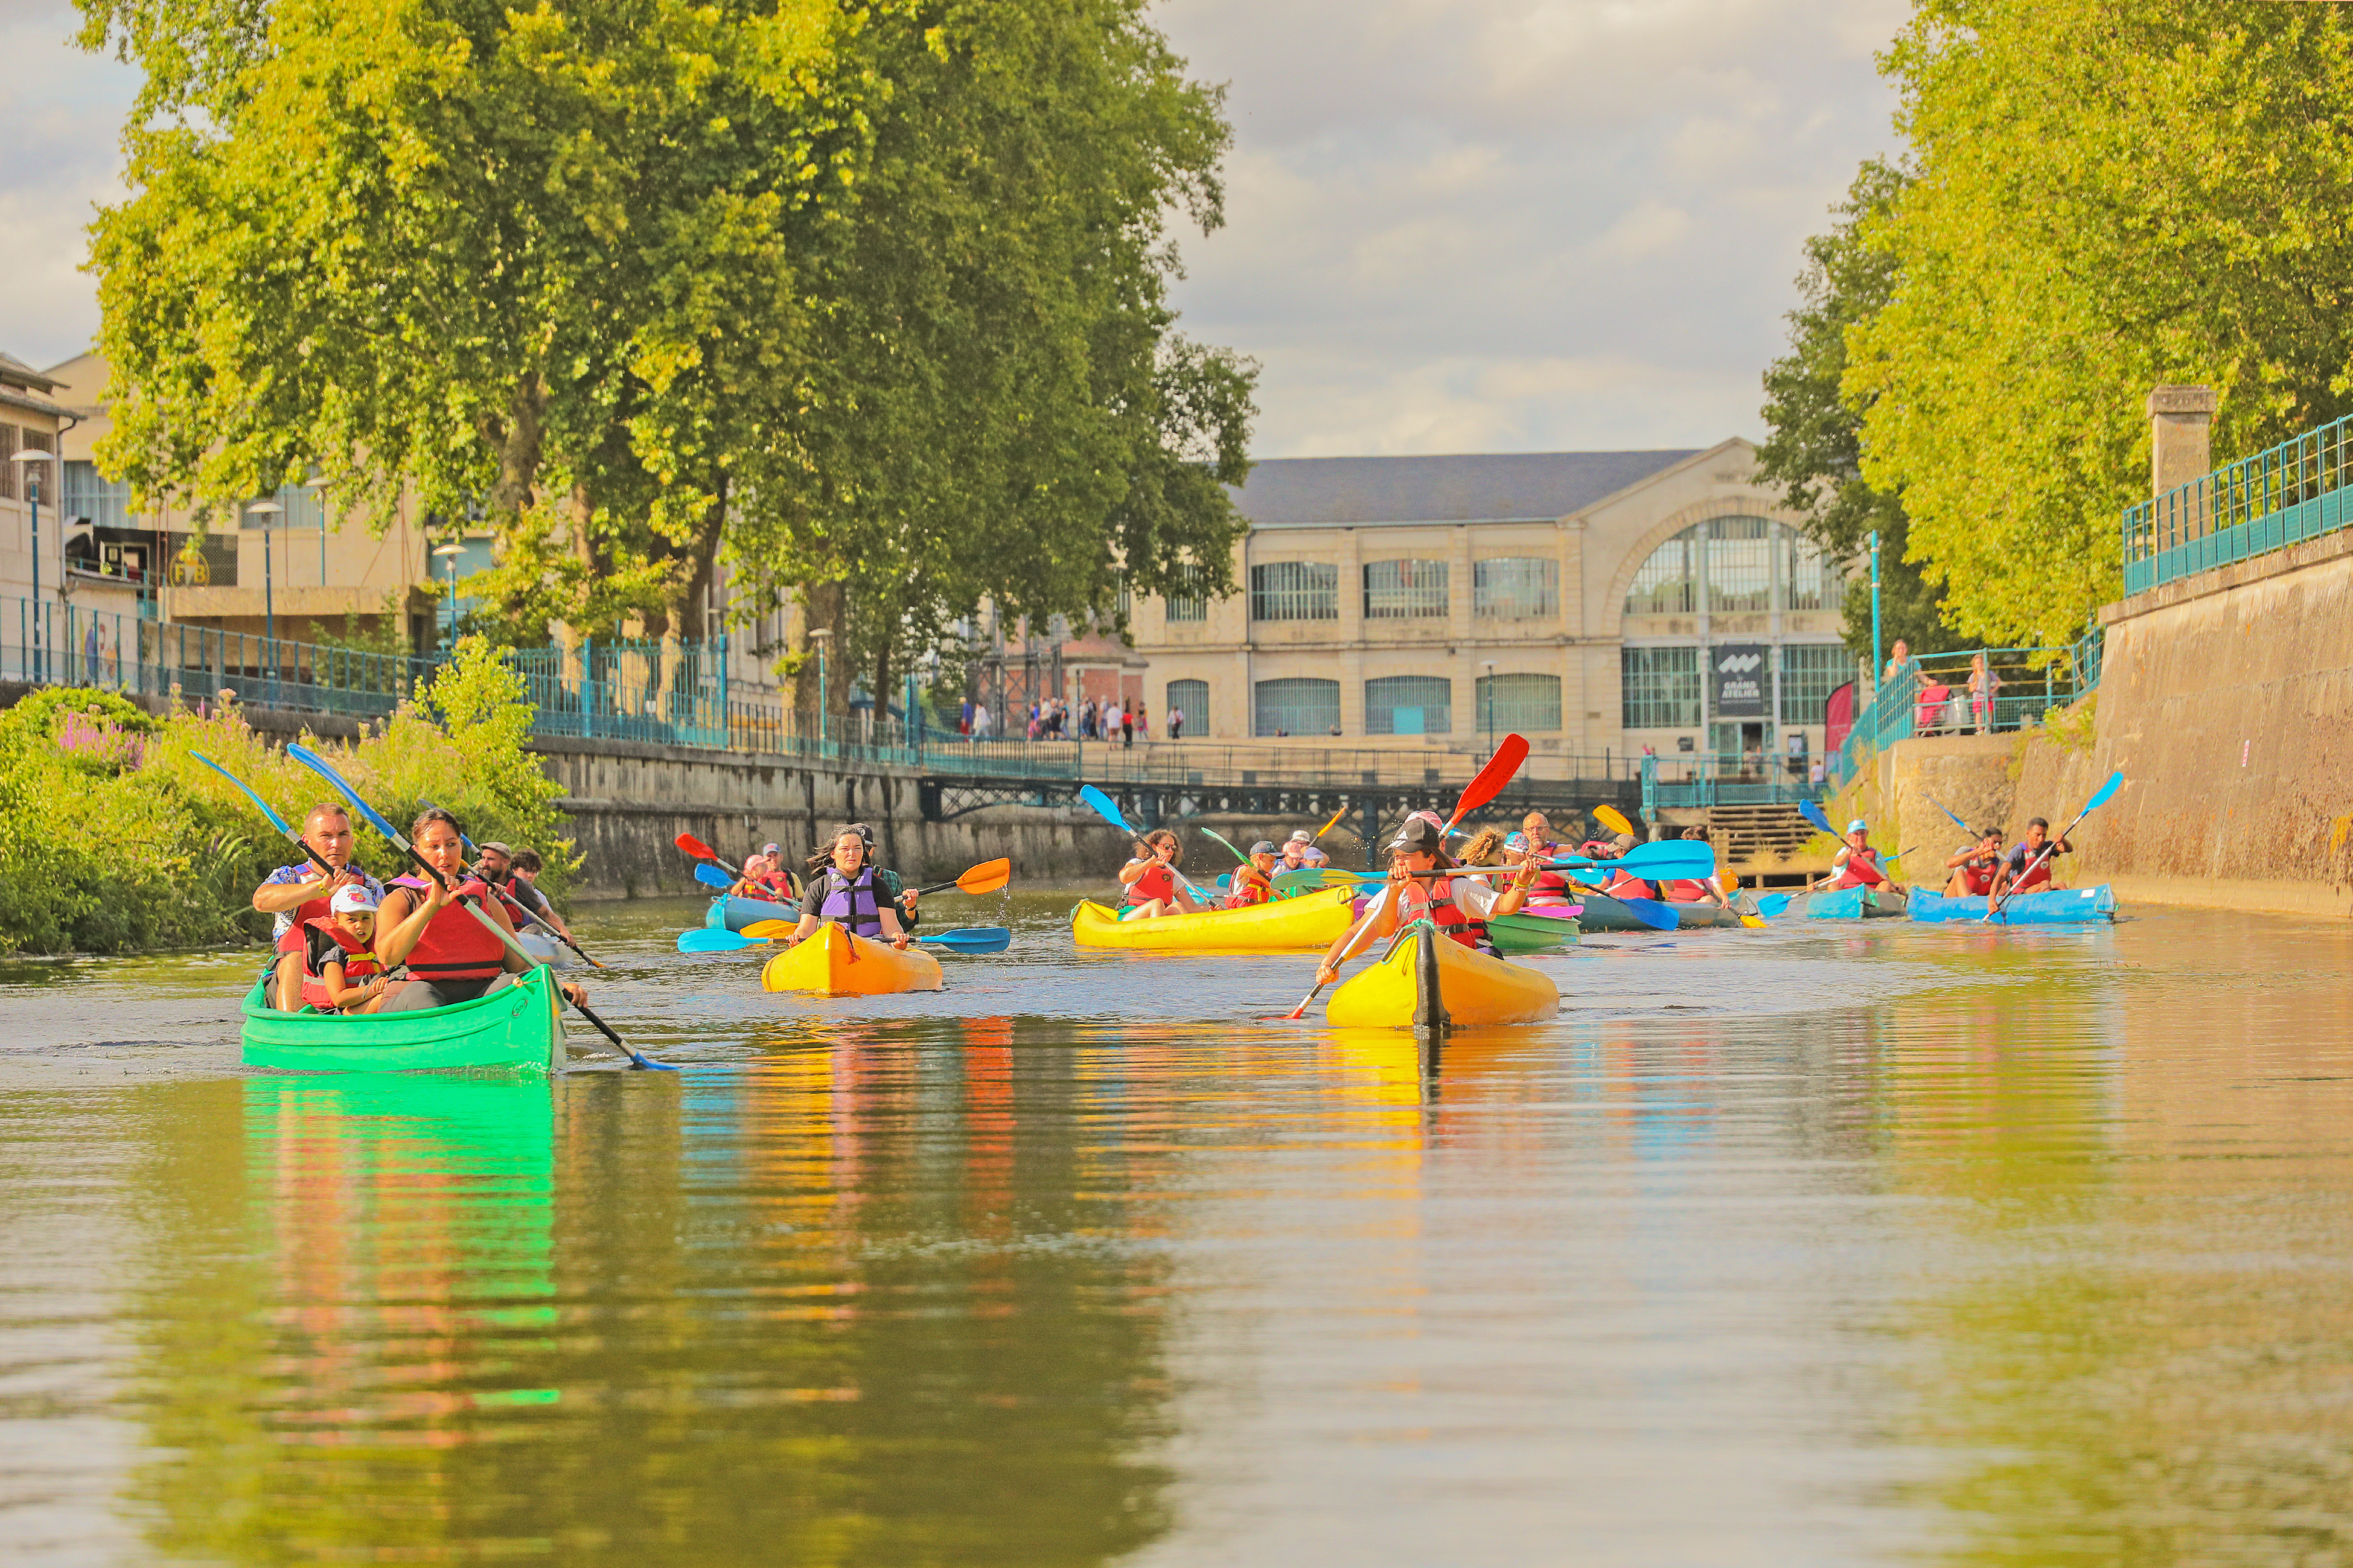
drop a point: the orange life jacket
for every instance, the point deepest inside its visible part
(1249, 888)
(1158, 882)
(453, 945)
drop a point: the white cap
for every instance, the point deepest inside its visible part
(354, 899)
(1858, 825)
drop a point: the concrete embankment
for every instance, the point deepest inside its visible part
(2226, 701)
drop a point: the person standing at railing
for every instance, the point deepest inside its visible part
(1903, 673)
(1176, 723)
(1126, 728)
(1983, 684)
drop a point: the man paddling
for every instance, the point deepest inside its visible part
(522, 882)
(2029, 866)
(301, 893)
(1975, 867)
(1856, 865)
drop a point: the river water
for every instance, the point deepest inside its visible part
(1859, 1244)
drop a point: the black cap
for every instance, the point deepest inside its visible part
(1420, 834)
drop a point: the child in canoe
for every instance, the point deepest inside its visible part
(1153, 886)
(340, 973)
(1254, 878)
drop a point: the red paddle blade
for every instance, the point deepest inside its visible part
(1491, 779)
(689, 844)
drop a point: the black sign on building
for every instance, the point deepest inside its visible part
(1741, 681)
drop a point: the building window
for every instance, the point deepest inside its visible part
(1813, 583)
(1297, 707)
(14, 439)
(1809, 673)
(1409, 705)
(1296, 591)
(1190, 697)
(1661, 687)
(91, 495)
(1515, 588)
(1668, 583)
(1529, 704)
(1739, 566)
(1190, 601)
(1404, 590)
(1735, 565)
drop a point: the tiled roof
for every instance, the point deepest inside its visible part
(17, 373)
(1492, 487)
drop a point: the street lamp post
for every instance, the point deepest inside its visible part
(26, 460)
(448, 554)
(820, 636)
(266, 511)
(1489, 666)
(1877, 657)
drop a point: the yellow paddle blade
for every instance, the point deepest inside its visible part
(1752, 923)
(985, 877)
(769, 930)
(1610, 817)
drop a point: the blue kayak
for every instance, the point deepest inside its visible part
(1835, 904)
(730, 912)
(2048, 907)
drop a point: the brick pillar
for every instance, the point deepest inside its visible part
(2181, 449)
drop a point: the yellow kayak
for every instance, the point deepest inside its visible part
(1304, 925)
(1474, 989)
(835, 963)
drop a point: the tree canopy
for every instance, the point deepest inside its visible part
(870, 296)
(2107, 197)
(1814, 447)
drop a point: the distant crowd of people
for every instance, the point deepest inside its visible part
(1119, 723)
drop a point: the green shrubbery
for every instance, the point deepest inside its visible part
(114, 838)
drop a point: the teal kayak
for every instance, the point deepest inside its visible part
(2045, 907)
(520, 1026)
(1844, 904)
(730, 912)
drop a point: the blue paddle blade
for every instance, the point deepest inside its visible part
(972, 939)
(1651, 912)
(710, 876)
(1671, 859)
(1773, 904)
(1102, 807)
(2115, 782)
(1940, 806)
(712, 939)
(275, 820)
(1812, 812)
(318, 764)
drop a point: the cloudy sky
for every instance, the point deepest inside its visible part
(1453, 225)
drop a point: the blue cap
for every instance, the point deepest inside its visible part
(1858, 825)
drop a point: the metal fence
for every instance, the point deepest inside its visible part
(1727, 778)
(2296, 491)
(1934, 698)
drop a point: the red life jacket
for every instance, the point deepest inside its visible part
(453, 945)
(1433, 900)
(1248, 889)
(2039, 860)
(1687, 892)
(1977, 876)
(1158, 882)
(1861, 870)
(1621, 886)
(358, 960)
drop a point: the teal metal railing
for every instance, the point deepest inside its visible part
(1934, 698)
(1727, 778)
(2296, 491)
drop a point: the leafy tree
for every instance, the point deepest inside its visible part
(2107, 197)
(1815, 449)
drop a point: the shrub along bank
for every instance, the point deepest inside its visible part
(114, 838)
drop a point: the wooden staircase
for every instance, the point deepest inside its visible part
(1754, 836)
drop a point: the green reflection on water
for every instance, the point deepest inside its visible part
(849, 1308)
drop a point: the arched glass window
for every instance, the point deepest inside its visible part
(1409, 705)
(1190, 697)
(1297, 707)
(1735, 565)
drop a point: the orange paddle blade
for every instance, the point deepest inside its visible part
(1490, 780)
(986, 876)
(769, 930)
(1610, 817)
(1333, 823)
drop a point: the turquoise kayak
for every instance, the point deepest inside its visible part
(1842, 904)
(730, 913)
(2047, 907)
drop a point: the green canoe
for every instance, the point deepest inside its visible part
(520, 1026)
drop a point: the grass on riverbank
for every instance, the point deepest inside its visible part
(113, 837)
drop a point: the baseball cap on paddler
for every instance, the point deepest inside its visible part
(1858, 825)
(1301, 835)
(1419, 835)
(354, 900)
(1263, 847)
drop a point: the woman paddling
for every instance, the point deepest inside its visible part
(421, 924)
(1456, 907)
(1151, 880)
(847, 892)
